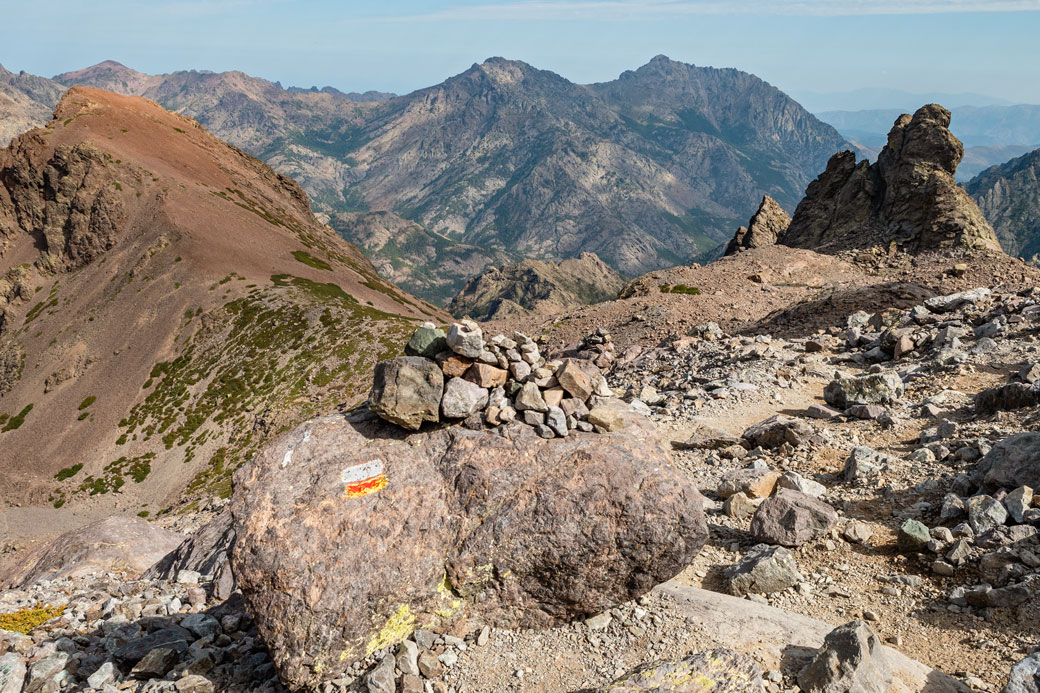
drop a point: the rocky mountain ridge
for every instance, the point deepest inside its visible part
(1009, 196)
(26, 101)
(908, 198)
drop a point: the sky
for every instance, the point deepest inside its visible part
(952, 46)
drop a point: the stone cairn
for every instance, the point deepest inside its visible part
(458, 376)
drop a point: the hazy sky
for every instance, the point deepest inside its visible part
(986, 46)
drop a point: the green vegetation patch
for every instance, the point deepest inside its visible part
(24, 620)
(318, 290)
(112, 477)
(68, 472)
(16, 421)
(311, 261)
(680, 289)
(87, 402)
(270, 359)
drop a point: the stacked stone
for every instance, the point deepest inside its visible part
(458, 376)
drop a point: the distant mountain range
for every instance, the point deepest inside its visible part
(25, 102)
(873, 98)
(505, 161)
(991, 134)
(1009, 196)
(647, 171)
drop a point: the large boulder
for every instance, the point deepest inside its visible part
(1025, 676)
(407, 391)
(352, 533)
(791, 518)
(1012, 462)
(777, 639)
(118, 543)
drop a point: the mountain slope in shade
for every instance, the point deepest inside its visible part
(646, 171)
(1009, 196)
(404, 252)
(535, 287)
(25, 102)
(168, 302)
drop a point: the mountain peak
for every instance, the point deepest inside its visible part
(111, 76)
(662, 59)
(503, 71)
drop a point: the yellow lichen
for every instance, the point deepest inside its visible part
(397, 628)
(451, 602)
(24, 620)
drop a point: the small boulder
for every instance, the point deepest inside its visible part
(946, 304)
(777, 430)
(1007, 398)
(556, 420)
(487, 376)
(1018, 502)
(850, 660)
(913, 536)
(876, 388)
(703, 437)
(529, 397)
(791, 518)
(407, 391)
(427, 341)
(574, 380)
(607, 418)
(864, 463)
(755, 482)
(857, 532)
(985, 513)
(1012, 462)
(462, 398)
(763, 570)
(796, 482)
(466, 339)
(739, 506)
(12, 673)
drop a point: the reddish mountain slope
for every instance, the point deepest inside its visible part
(167, 303)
